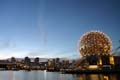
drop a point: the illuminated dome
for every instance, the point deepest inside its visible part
(94, 42)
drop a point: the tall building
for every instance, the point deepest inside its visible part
(13, 60)
(36, 60)
(27, 61)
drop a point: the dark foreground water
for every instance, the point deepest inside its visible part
(43, 75)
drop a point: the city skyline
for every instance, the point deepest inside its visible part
(52, 28)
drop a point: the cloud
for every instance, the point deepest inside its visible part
(36, 53)
(53, 54)
(41, 54)
(69, 55)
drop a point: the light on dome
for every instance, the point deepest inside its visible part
(94, 42)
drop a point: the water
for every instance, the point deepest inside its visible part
(43, 75)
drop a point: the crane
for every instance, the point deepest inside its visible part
(115, 51)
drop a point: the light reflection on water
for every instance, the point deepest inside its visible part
(98, 77)
(44, 75)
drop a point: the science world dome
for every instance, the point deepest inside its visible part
(94, 42)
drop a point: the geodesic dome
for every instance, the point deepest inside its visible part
(94, 42)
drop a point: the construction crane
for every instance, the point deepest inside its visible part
(115, 51)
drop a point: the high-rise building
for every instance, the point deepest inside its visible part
(13, 60)
(36, 60)
(27, 61)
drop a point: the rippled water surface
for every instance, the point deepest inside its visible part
(44, 75)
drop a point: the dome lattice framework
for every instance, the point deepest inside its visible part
(94, 42)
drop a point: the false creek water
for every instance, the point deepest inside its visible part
(44, 75)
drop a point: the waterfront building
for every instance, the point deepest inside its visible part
(95, 48)
(27, 61)
(36, 61)
(49, 63)
(13, 59)
(6, 64)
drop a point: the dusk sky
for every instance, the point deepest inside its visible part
(52, 28)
